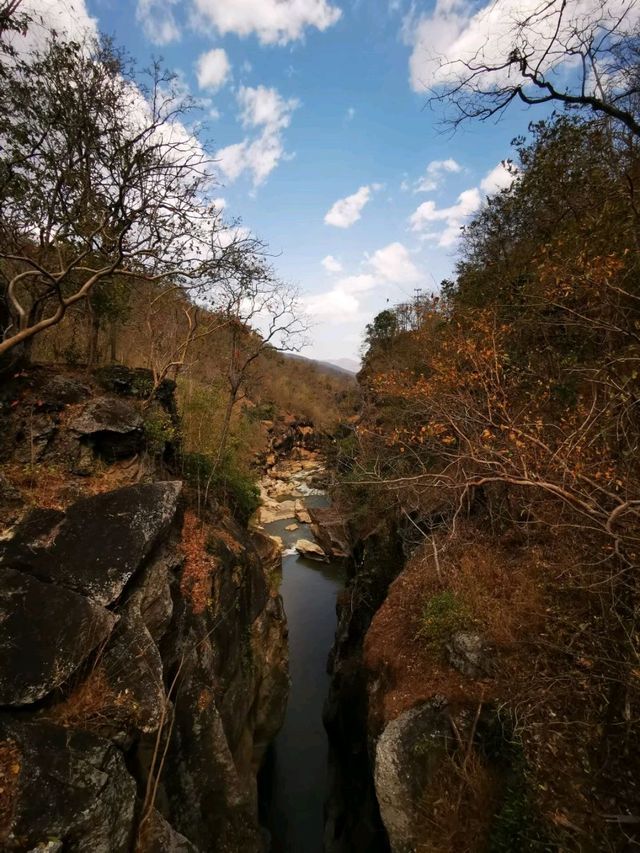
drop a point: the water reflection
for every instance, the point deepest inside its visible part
(294, 780)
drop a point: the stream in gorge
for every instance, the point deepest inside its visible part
(294, 778)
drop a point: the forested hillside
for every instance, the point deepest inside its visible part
(501, 420)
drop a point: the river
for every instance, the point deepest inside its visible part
(294, 778)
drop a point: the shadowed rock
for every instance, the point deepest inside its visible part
(133, 668)
(158, 835)
(99, 543)
(45, 634)
(113, 427)
(70, 786)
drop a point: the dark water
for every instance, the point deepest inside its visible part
(294, 779)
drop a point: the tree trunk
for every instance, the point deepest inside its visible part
(113, 341)
(94, 333)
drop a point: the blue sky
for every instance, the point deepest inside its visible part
(315, 102)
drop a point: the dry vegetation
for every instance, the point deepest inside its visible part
(501, 423)
(9, 775)
(199, 566)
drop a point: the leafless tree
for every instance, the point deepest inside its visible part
(261, 313)
(572, 54)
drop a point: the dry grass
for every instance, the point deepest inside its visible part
(501, 592)
(543, 607)
(93, 705)
(9, 776)
(457, 805)
(199, 566)
(53, 487)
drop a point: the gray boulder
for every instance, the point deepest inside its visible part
(112, 426)
(408, 754)
(310, 550)
(46, 632)
(468, 654)
(59, 391)
(98, 544)
(71, 786)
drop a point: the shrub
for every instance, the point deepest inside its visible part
(228, 483)
(443, 614)
(159, 430)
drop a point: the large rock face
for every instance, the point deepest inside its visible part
(46, 632)
(67, 785)
(99, 543)
(102, 637)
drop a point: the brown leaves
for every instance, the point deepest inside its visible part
(199, 565)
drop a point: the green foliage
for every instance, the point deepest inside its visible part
(443, 614)
(159, 430)
(231, 486)
(262, 412)
(239, 491)
(383, 329)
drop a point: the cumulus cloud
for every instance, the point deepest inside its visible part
(70, 19)
(272, 21)
(346, 211)
(158, 21)
(263, 107)
(341, 303)
(455, 32)
(454, 217)
(393, 263)
(499, 178)
(213, 69)
(266, 111)
(434, 173)
(331, 264)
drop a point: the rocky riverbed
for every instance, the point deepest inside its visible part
(289, 491)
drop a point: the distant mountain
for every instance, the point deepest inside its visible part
(346, 367)
(349, 364)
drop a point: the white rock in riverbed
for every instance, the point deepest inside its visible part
(311, 550)
(301, 513)
(277, 512)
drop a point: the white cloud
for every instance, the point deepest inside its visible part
(393, 263)
(265, 110)
(344, 212)
(272, 21)
(434, 172)
(454, 217)
(456, 32)
(263, 107)
(341, 304)
(158, 21)
(331, 264)
(213, 69)
(499, 178)
(70, 19)
(350, 113)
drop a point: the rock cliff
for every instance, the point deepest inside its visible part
(143, 659)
